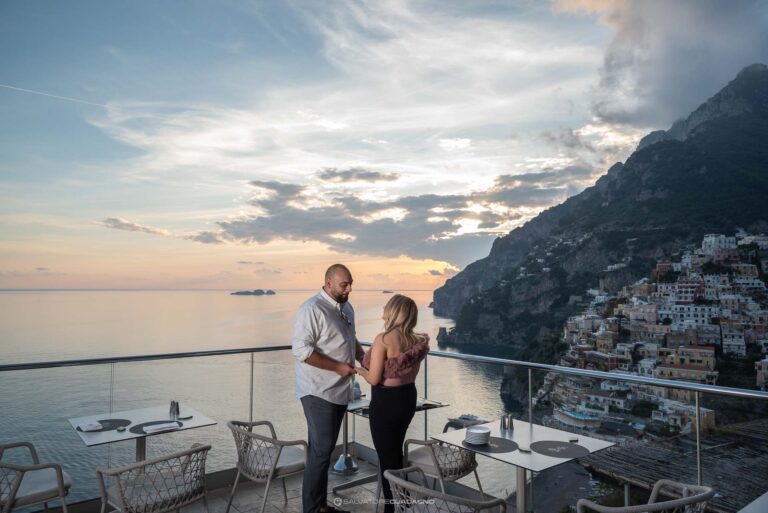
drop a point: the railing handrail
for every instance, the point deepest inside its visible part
(630, 378)
(137, 358)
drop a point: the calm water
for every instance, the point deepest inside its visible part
(56, 325)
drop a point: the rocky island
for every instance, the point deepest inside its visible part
(255, 292)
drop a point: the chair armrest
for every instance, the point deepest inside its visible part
(39, 466)
(425, 443)
(113, 472)
(274, 440)
(582, 504)
(413, 468)
(22, 469)
(286, 443)
(250, 425)
(683, 490)
(416, 441)
(28, 445)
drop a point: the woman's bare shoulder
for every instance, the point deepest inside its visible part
(379, 340)
(392, 338)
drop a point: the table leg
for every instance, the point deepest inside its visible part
(141, 448)
(346, 464)
(520, 495)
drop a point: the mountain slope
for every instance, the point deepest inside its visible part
(708, 173)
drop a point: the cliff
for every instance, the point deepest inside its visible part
(707, 174)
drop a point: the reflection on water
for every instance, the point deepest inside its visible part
(58, 325)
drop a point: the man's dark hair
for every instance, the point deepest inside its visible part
(336, 267)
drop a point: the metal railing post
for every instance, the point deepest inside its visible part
(530, 396)
(111, 405)
(250, 393)
(529, 504)
(426, 396)
(698, 441)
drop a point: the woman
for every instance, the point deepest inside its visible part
(391, 366)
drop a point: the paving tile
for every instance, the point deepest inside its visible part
(250, 502)
(249, 495)
(215, 505)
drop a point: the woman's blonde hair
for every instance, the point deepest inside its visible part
(401, 314)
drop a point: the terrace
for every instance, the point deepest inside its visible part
(257, 384)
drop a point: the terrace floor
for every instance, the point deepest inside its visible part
(249, 495)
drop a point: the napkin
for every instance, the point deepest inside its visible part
(165, 426)
(90, 426)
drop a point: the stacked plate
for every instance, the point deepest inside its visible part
(477, 435)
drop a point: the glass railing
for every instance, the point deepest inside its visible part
(684, 431)
(654, 437)
(37, 401)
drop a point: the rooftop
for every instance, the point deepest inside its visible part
(190, 373)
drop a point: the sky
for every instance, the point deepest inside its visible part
(250, 144)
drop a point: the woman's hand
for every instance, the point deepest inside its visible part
(363, 372)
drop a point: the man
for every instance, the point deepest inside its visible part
(325, 347)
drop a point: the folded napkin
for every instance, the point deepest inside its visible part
(90, 426)
(165, 426)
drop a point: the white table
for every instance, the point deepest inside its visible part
(524, 434)
(139, 416)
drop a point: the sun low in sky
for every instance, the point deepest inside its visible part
(235, 144)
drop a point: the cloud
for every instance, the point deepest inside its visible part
(569, 139)
(248, 262)
(356, 174)
(122, 224)
(455, 144)
(665, 58)
(409, 87)
(456, 228)
(281, 190)
(42, 269)
(207, 237)
(447, 271)
(435, 94)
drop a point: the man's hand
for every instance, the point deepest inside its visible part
(322, 361)
(344, 369)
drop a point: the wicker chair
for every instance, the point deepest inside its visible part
(156, 485)
(263, 458)
(411, 497)
(26, 485)
(693, 499)
(443, 462)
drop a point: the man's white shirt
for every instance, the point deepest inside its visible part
(328, 327)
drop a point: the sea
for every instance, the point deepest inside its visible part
(55, 325)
